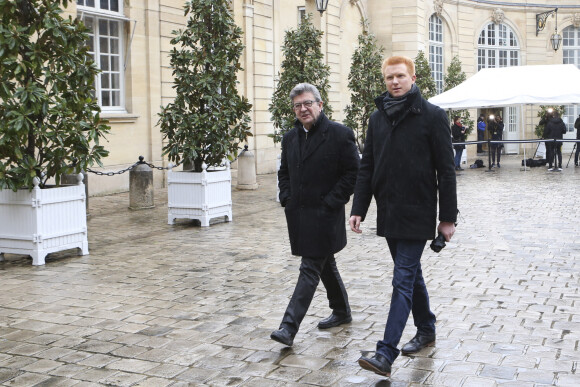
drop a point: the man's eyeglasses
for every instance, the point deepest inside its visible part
(298, 106)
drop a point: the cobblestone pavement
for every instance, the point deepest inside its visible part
(181, 305)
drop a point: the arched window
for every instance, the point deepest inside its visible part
(436, 51)
(571, 55)
(497, 47)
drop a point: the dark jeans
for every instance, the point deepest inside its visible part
(558, 154)
(312, 270)
(409, 295)
(495, 148)
(480, 138)
(458, 153)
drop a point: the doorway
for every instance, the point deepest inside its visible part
(510, 116)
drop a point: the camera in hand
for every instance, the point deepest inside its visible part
(438, 243)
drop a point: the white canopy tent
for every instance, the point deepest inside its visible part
(518, 85)
(515, 86)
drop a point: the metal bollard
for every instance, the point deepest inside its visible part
(246, 170)
(141, 186)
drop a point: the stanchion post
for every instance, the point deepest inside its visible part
(489, 155)
(141, 186)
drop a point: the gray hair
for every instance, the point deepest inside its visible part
(305, 88)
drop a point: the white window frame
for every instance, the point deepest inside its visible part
(571, 55)
(301, 14)
(98, 15)
(497, 46)
(436, 56)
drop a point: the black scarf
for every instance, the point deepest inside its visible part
(395, 106)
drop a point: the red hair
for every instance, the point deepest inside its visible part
(395, 60)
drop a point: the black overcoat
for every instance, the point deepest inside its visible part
(315, 186)
(404, 165)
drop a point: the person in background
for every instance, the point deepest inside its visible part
(497, 135)
(458, 134)
(480, 132)
(407, 165)
(555, 128)
(317, 174)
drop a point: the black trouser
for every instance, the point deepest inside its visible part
(557, 149)
(495, 148)
(480, 138)
(549, 153)
(577, 153)
(312, 270)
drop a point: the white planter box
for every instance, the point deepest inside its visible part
(43, 221)
(199, 195)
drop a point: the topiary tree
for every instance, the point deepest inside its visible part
(424, 81)
(543, 115)
(49, 118)
(303, 62)
(365, 82)
(208, 118)
(454, 77)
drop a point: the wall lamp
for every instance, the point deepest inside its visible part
(556, 38)
(321, 6)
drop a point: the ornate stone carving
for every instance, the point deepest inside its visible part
(497, 16)
(353, 2)
(576, 20)
(438, 5)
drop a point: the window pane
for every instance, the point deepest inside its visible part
(115, 63)
(114, 28)
(105, 81)
(116, 98)
(104, 45)
(491, 35)
(104, 59)
(114, 46)
(114, 5)
(105, 100)
(115, 81)
(105, 4)
(103, 28)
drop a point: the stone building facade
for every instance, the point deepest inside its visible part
(131, 43)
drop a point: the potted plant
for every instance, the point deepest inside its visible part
(49, 120)
(208, 119)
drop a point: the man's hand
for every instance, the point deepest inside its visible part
(354, 222)
(447, 229)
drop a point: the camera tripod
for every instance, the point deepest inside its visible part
(571, 153)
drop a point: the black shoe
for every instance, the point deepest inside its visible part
(459, 169)
(499, 166)
(417, 343)
(283, 336)
(378, 364)
(334, 321)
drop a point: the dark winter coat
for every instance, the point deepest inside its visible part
(577, 126)
(497, 131)
(555, 128)
(315, 186)
(404, 166)
(457, 136)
